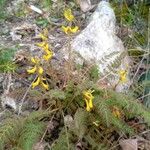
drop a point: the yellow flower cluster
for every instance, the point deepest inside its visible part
(44, 45)
(116, 112)
(88, 97)
(70, 18)
(122, 76)
(38, 69)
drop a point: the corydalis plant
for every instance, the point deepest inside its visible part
(37, 62)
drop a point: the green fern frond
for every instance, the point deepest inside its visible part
(30, 134)
(38, 115)
(63, 142)
(94, 144)
(9, 131)
(6, 59)
(80, 122)
(128, 104)
(103, 108)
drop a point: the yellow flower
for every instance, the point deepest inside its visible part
(36, 83)
(45, 85)
(69, 30)
(88, 97)
(43, 37)
(48, 55)
(116, 112)
(46, 48)
(35, 60)
(42, 44)
(123, 76)
(33, 70)
(68, 15)
(87, 105)
(40, 70)
(40, 81)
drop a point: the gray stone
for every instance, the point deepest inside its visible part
(98, 43)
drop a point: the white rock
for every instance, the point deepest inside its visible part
(98, 42)
(8, 101)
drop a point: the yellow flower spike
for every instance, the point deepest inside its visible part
(45, 85)
(33, 70)
(43, 37)
(40, 70)
(36, 83)
(68, 15)
(123, 76)
(87, 105)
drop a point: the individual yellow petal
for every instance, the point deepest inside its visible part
(45, 85)
(31, 71)
(42, 44)
(43, 37)
(88, 94)
(69, 30)
(91, 103)
(48, 55)
(65, 29)
(35, 60)
(40, 70)
(36, 83)
(74, 29)
(87, 105)
(68, 15)
(46, 48)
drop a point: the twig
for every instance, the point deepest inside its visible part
(24, 96)
(46, 129)
(8, 78)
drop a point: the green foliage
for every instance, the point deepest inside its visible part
(94, 73)
(9, 131)
(30, 134)
(42, 22)
(3, 14)
(80, 123)
(57, 94)
(63, 142)
(22, 133)
(47, 3)
(6, 59)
